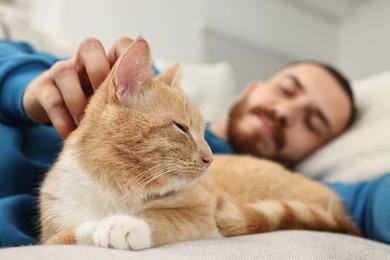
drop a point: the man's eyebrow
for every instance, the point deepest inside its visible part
(320, 115)
(297, 82)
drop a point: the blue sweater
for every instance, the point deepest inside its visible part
(27, 150)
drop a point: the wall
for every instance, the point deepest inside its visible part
(358, 43)
(172, 26)
(364, 40)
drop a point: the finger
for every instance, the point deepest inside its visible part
(118, 48)
(92, 62)
(32, 107)
(66, 79)
(52, 102)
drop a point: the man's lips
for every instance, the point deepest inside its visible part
(268, 125)
(272, 129)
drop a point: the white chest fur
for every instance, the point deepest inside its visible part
(78, 197)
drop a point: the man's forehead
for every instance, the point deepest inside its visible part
(311, 77)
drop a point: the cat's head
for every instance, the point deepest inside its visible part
(141, 134)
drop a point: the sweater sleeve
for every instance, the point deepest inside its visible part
(368, 204)
(20, 63)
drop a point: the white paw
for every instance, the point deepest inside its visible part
(118, 231)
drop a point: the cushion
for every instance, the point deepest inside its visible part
(302, 245)
(210, 85)
(16, 26)
(363, 151)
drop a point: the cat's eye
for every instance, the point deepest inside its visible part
(182, 127)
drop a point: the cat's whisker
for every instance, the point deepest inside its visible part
(140, 186)
(139, 175)
(147, 180)
(173, 164)
(136, 188)
(143, 173)
(152, 178)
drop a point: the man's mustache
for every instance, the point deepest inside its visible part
(279, 129)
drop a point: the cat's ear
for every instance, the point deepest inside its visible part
(171, 75)
(133, 70)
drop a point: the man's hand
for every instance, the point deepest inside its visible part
(59, 95)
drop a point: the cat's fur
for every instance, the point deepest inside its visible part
(131, 176)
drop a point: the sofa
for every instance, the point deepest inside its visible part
(360, 153)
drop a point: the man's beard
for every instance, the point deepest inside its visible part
(247, 143)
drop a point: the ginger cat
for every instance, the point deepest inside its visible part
(132, 175)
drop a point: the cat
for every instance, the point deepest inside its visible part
(138, 173)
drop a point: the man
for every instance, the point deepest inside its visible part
(42, 100)
(287, 117)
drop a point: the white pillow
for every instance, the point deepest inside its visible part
(14, 25)
(210, 85)
(363, 152)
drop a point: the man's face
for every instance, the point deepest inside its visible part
(290, 115)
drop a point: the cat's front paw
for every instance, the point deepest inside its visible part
(119, 232)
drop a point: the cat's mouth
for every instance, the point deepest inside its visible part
(174, 185)
(190, 175)
(155, 196)
(185, 180)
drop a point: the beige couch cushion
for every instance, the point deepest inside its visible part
(302, 245)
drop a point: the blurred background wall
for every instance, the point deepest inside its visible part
(258, 36)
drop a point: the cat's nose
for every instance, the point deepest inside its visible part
(207, 160)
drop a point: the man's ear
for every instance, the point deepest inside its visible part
(171, 75)
(133, 70)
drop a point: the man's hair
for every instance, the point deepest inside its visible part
(341, 79)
